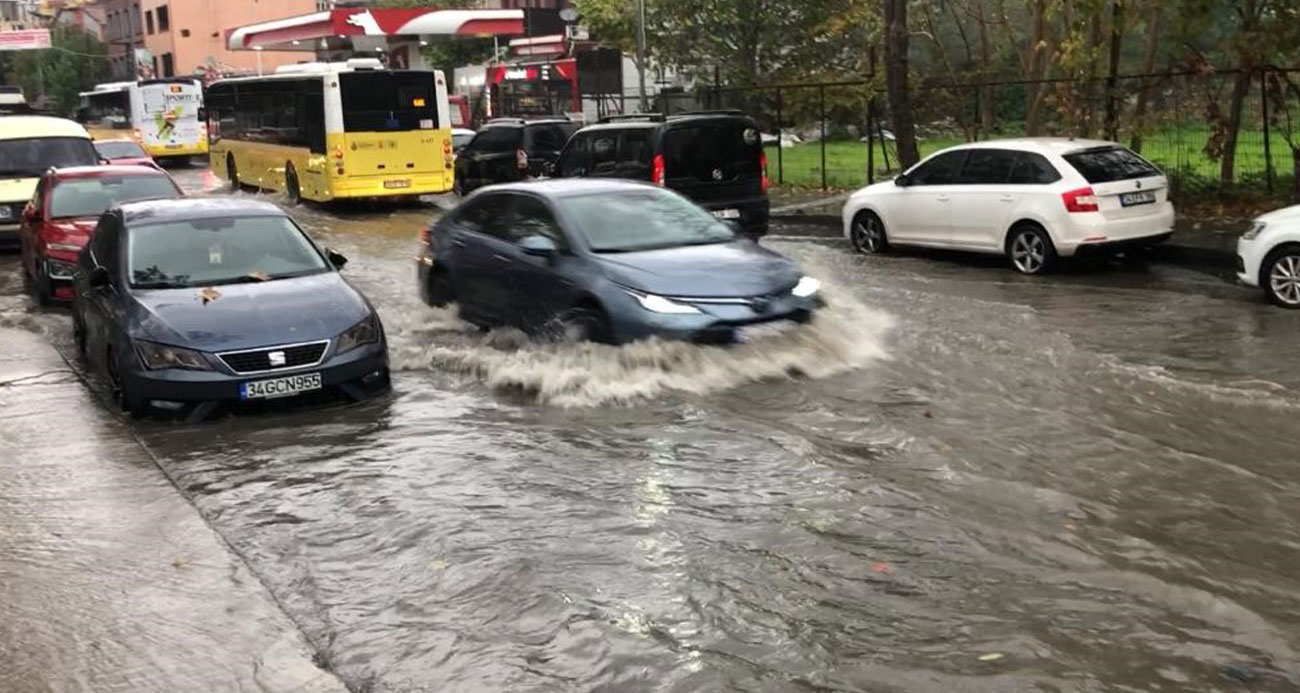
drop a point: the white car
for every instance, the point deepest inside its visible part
(1033, 200)
(1268, 256)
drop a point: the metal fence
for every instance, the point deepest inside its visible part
(838, 135)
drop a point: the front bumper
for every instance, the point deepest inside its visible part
(359, 373)
(715, 324)
(1250, 256)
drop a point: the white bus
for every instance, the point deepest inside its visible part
(164, 115)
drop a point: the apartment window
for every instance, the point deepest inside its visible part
(148, 22)
(135, 20)
(167, 65)
(164, 18)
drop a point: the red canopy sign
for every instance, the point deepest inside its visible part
(31, 39)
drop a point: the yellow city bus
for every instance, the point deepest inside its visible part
(329, 131)
(164, 115)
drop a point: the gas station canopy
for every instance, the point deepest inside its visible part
(337, 29)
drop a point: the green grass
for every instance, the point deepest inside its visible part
(1177, 151)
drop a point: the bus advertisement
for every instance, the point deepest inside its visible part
(328, 131)
(163, 115)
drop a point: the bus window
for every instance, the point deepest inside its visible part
(380, 101)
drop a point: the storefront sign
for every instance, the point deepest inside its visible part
(31, 39)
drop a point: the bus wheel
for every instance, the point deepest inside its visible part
(291, 184)
(232, 173)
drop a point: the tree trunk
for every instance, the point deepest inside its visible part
(1240, 88)
(987, 94)
(1036, 64)
(900, 101)
(1112, 76)
(1295, 174)
(1148, 83)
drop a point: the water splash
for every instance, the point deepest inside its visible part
(844, 336)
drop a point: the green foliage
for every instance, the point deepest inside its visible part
(76, 62)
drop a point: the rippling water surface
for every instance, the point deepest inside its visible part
(955, 479)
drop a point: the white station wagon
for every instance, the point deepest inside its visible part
(1033, 200)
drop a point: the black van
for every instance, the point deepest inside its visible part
(510, 149)
(714, 158)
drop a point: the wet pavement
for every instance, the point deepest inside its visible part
(955, 479)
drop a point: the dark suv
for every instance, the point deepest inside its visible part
(510, 149)
(714, 158)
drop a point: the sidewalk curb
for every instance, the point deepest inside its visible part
(1174, 251)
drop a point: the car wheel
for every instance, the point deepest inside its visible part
(42, 289)
(121, 391)
(868, 234)
(79, 332)
(1030, 249)
(232, 172)
(291, 188)
(1281, 277)
(585, 324)
(439, 292)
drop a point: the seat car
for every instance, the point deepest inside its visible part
(124, 151)
(713, 158)
(192, 303)
(64, 210)
(1268, 256)
(1033, 200)
(510, 149)
(29, 146)
(609, 261)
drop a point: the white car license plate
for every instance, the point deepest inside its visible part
(1145, 197)
(280, 387)
(404, 183)
(727, 213)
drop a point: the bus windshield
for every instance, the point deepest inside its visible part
(389, 100)
(33, 156)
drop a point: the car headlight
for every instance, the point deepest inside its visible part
(1254, 231)
(58, 269)
(364, 332)
(806, 287)
(659, 304)
(6, 213)
(159, 356)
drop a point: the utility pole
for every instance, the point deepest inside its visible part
(640, 53)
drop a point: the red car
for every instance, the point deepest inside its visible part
(64, 210)
(124, 151)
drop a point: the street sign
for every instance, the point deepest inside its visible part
(31, 39)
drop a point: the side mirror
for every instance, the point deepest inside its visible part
(336, 258)
(98, 278)
(902, 180)
(539, 246)
(104, 162)
(548, 169)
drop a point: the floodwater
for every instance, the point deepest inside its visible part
(956, 479)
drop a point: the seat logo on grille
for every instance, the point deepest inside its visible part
(276, 359)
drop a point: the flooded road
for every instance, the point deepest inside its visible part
(956, 479)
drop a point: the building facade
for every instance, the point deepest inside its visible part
(188, 37)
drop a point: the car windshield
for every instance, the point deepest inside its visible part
(228, 250)
(497, 140)
(89, 197)
(120, 150)
(644, 220)
(32, 157)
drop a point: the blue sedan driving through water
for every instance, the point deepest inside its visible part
(194, 303)
(608, 261)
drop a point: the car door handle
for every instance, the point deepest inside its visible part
(1007, 198)
(942, 198)
(501, 258)
(458, 242)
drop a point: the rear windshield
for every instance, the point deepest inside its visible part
(497, 140)
(90, 197)
(120, 150)
(388, 101)
(29, 158)
(1107, 164)
(712, 152)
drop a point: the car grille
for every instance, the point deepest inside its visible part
(259, 360)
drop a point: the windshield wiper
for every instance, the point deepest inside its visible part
(159, 285)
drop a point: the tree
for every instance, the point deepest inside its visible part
(57, 75)
(900, 99)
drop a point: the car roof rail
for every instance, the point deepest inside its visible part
(503, 121)
(624, 117)
(720, 111)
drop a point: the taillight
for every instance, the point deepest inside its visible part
(1081, 200)
(521, 159)
(425, 233)
(762, 162)
(657, 170)
(446, 147)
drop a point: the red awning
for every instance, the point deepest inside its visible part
(305, 31)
